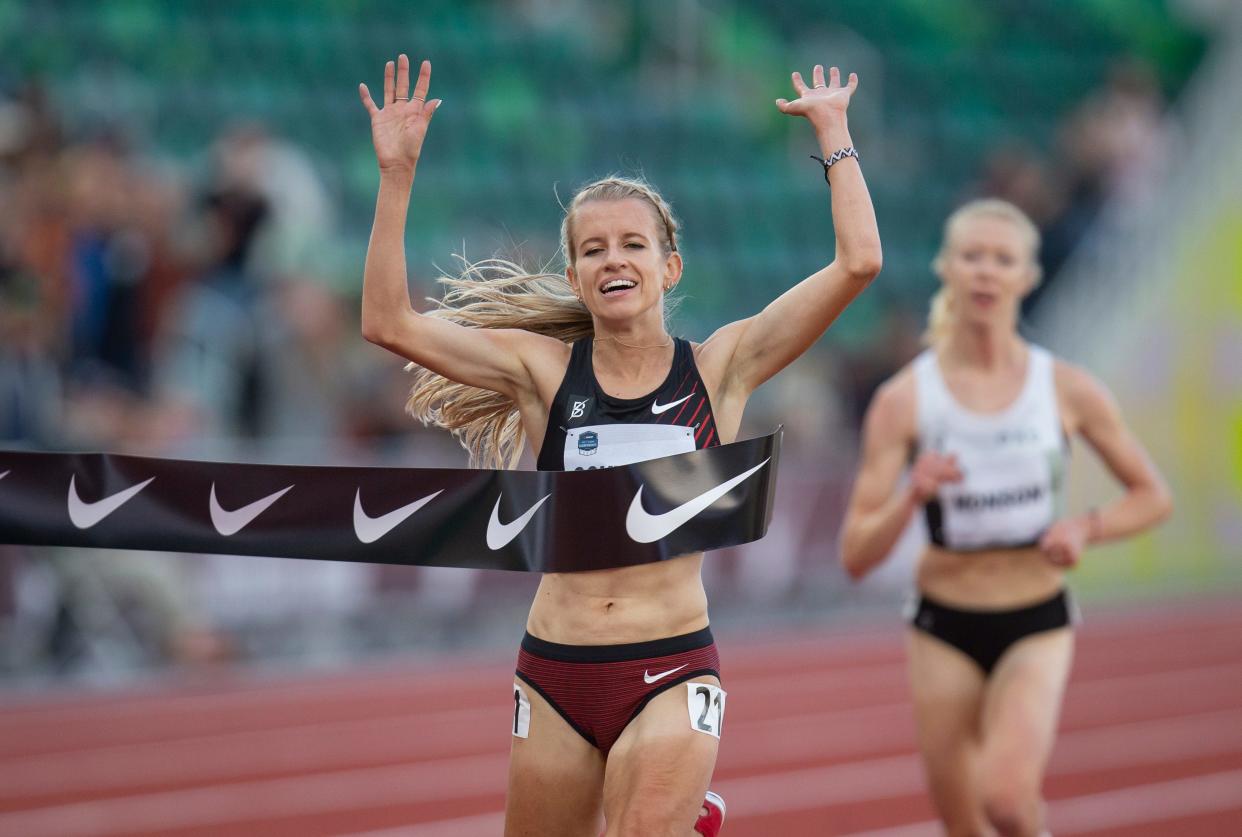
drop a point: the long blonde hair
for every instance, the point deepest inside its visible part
(497, 293)
(939, 318)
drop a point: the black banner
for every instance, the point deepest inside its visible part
(535, 521)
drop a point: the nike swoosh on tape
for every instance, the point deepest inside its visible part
(657, 407)
(499, 534)
(84, 515)
(371, 529)
(231, 522)
(649, 679)
(644, 527)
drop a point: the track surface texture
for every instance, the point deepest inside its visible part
(818, 739)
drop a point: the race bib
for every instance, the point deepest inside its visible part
(609, 445)
(706, 705)
(1000, 501)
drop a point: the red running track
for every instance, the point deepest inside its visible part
(818, 740)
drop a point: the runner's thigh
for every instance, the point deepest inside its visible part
(947, 688)
(1022, 705)
(556, 776)
(660, 767)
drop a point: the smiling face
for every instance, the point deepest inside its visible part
(620, 264)
(988, 266)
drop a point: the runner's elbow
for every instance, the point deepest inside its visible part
(376, 331)
(1163, 503)
(851, 561)
(865, 266)
(381, 328)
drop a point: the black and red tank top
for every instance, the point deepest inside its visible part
(588, 428)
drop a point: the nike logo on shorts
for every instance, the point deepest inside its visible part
(371, 529)
(657, 407)
(84, 515)
(651, 678)
(644, 527)
(500, 534)
(231, 522)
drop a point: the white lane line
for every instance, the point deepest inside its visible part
(844, 653)
(791, 790)
(1136, 805)
(31, 741)
(217, 805)
(1156, 802)
(304, 748)
(814, 736)
(459, 827)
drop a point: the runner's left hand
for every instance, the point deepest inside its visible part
(822, 99)
(1063, 543)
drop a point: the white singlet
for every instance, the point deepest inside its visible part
(1013, 462)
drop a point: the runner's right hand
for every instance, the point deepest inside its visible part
(930, 471)
(399, 127)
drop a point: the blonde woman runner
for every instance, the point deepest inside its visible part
(612, 660)
(988, 417)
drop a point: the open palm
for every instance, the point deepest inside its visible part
(821, 98)
(400, 126)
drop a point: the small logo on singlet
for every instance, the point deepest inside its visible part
(1017, 436)
(578, 407)
(588, 443)
(657, 407)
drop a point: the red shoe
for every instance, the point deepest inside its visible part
(711, 815)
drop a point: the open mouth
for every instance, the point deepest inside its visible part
(613, 286)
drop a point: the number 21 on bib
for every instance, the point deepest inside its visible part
(706, 704)
(521, 712)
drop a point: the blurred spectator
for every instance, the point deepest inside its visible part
(30, 382)
(110, 254)
(1111, 147)
(300, 218)
(210, 360)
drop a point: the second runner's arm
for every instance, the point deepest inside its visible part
(879, 511)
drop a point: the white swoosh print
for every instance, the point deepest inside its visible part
(6, 473)
(644, 527)
(499, 534)
(231, 522)
(652, 678)
(371, 529)
(84, 515)
(657, 407)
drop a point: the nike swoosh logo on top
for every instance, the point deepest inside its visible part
(499, 534)
(644, 527)
(6, 473)
(231, 522)
(371, 529)
(84, 515)
(657, 407)
(651, 678)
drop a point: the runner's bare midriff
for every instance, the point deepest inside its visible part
(995, 579)
(632, 604)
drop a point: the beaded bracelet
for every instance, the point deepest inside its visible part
(836, 157)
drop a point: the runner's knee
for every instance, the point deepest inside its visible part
(1012, 808)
